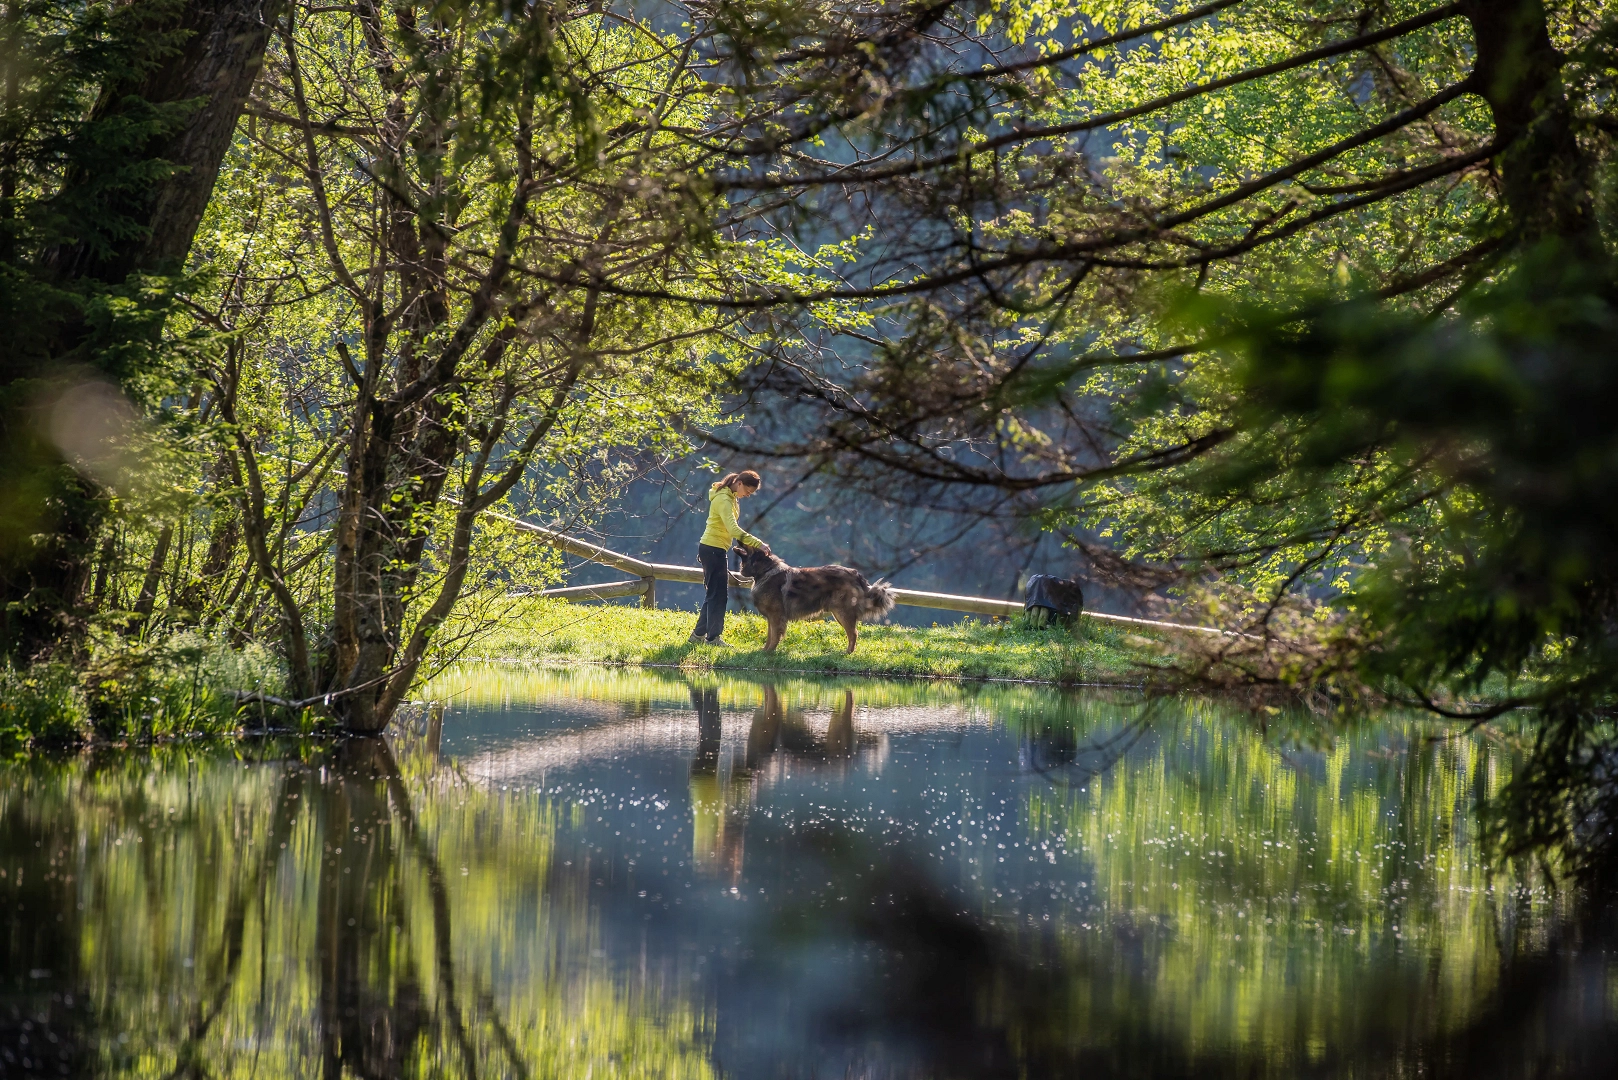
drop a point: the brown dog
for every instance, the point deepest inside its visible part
(784, 593)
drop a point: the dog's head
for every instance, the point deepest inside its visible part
(755, 561)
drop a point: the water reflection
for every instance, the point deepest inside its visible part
(373, 1011)
(777, 738)
(300, 910)
(650, 877)
(718, 808)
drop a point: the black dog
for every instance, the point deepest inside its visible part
(783, 593)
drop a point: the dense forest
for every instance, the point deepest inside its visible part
(1297, 313)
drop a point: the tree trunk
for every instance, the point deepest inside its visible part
(1544, 173)
(109, 551)
(215, 65)
(154, 575)
(388, 546)
(372, 1008)
(220, 49)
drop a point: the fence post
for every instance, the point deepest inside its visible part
(648, 599)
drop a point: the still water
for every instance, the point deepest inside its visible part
(609, 874)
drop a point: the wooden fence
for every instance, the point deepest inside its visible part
(648, 574)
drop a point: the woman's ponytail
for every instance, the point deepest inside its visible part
(747, 478)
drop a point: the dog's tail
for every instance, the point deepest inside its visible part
(876, 601)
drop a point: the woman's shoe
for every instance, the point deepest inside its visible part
(696, 639)
(721, 643)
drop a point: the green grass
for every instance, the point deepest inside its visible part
(182, 685)
(555, 632)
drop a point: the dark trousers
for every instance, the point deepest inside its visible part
(716, 578)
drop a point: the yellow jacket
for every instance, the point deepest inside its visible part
(722, 524)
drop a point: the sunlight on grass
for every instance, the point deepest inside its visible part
(557, 632)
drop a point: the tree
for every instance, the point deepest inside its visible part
(1313, 300)
(1480, 452)
(113, 121)
(1038, 201)
(1048, 190)
(437, 225)
(950, 236)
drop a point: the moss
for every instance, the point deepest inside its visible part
(554, 631)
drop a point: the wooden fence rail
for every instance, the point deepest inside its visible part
(648, 574)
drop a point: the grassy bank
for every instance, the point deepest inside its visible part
(188, 685)
(555, 632)
(183, 685)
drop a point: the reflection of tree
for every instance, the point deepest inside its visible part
(246, 883)
(297, 911)
(1225, 870)
(470, 952)
(1052, 746)
(1251, 913)
(373, 1008)
(43, 1023)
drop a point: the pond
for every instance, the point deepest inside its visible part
(599, 873)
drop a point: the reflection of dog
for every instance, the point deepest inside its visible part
(784, 593)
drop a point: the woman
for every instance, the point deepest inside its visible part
(713, 552)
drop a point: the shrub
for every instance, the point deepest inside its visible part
(182, 685)
(42, 703)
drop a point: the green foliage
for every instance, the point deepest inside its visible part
(1463, 462)
(1094, 182)
(182, 686)
(1453, 482)
(467, 258)
(503, 345)
(43, 703)
(68, 172)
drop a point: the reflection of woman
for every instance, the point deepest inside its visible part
(716, 841)
(706, 702)
(713, 551)
(840, 732)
